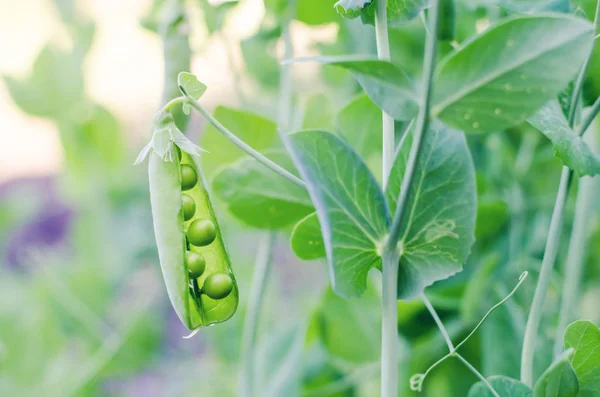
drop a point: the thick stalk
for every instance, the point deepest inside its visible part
(391, 254)
(383, 52)
(550, 252)
(389, 325)
(248, 349)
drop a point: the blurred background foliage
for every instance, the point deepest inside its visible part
(83, 310)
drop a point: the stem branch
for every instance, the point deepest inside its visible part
(259, 279)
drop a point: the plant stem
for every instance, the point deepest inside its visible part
(241, 144)
(478, 374)
(391, 254)
(585, 124)
(583, 72)
(421, 126)
(248, 348)
(438, 321)
(575, 257)
(389, 303)
(550, 252)
(389, 325)
(383, 53)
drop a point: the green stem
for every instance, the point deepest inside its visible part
(575, 258)
(421, 126)
(389, 325)
(478, 374)
(585, 124)
(439, 322)
(383, 52)
(391, 254)
(550, 252)
(583, 72)
(389, 308)
(248, 348)
(240, 143)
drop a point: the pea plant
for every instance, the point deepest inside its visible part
(406, 182)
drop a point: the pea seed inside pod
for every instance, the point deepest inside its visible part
(189, 178)
(189, 206)
(195, 264)
(202, 232)
(218, 285)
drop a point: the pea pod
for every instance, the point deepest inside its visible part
(193, 258)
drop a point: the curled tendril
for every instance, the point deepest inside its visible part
(416, 382)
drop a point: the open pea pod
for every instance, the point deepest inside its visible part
(193, 258)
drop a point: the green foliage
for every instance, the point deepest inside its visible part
(315, 12)
(351, 8)
(568, 146)
(505, 387)
(584, 338)
(318, 113)
(307, 239)
(398, 11)
(357, 122)
(259, 197)
(501, 77)
(255, 130)
(191, 84)
(558, 381)
(438, 229)
(342, 189)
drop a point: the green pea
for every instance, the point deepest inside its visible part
(218, 285)
(195, 263)
(189, 178)
(202, 232)
(189, 206)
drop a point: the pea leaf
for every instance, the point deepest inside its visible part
(387, 84)
(259, 197)
(350, 206)
(503, 76)
(568, 146)
(398, 11)
(584, 337)
(307, 239)
(351, 8)
(505, 387)
(255, 130)
(559, 380)
(359, 122)
(191, 84)
(316, 12)
(438, 230)
(343, 322)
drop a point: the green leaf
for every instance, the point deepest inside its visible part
(559, 380)
(505, 387)
(438, 230)
(259, 197)
(398, 11)
(351, 8)
(343, 322)
(492, 214)
(350, 206)
(584, 337)
(257, 131)
(307, 239)
(385, 83)
(359, 123)
(505, 75)
(191, 84)
(316, 12)
(318, 113)
(568, 146)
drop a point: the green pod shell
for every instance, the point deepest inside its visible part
(194, 308)
(447, 15)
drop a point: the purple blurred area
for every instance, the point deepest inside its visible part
(46, 221)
